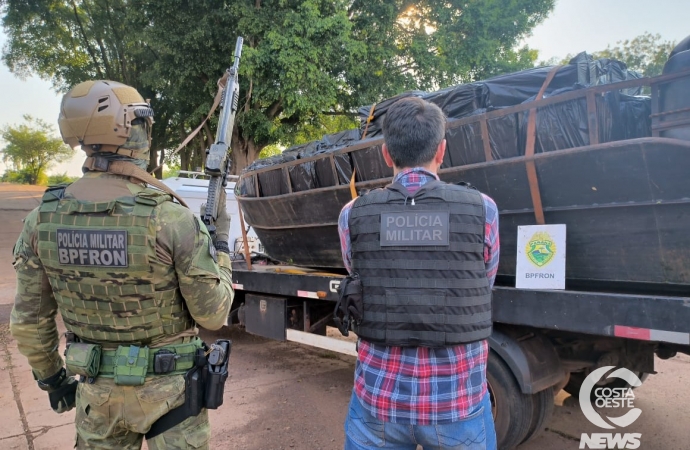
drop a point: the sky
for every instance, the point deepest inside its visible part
(573, 26)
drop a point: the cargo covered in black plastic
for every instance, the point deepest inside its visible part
(559, 126)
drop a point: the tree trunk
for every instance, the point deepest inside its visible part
(184, 153)
(202, 150)
(161, 160)
(210, 139)
(153, 161)
(244, 152)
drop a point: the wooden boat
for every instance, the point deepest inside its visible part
(625, 202)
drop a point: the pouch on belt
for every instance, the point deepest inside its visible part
(83, 359)
(131, 365)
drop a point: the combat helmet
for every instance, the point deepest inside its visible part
(100, 116)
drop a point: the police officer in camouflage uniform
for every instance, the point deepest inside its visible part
(132, 273)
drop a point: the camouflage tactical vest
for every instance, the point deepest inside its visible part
(98, 257)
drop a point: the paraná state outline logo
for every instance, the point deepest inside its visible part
(540, 249)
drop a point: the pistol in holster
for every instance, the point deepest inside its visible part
(205, 382)
(204, 386)
(349, 308)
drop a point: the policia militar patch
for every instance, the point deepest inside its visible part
(102, 248)
(416, 228)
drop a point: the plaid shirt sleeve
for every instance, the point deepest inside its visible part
(344, 233)
(491, 241)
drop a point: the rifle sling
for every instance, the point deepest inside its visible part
(216, 101)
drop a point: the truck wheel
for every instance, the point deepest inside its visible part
(542, 409)
(577, 378)
(512, 410)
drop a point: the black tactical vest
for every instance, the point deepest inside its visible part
(421, 261)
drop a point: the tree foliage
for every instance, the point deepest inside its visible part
(646, 54)
(31, 149)
(306, 65)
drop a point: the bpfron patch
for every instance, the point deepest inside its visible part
(101, 248)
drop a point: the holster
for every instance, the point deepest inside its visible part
(217, 373)
(204, 386)
(349, 307)
(195, 386)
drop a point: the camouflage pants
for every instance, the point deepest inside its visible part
(117, 417)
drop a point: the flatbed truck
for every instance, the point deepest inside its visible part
(543, 340)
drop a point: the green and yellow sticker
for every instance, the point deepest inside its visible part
(540, 249)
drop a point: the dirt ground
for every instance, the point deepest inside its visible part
(288, 396)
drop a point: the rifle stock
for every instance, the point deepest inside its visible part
(217, 158)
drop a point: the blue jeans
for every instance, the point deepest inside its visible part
(364, 431)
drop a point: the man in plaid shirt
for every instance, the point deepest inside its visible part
(432, 396)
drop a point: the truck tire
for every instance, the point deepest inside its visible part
(542, 409)
(577, 378)
(512, 410)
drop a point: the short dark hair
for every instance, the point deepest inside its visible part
(412, 129)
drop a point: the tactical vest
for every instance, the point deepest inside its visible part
(98, 258)
(421, 261)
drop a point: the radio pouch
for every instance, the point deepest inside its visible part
(83, 359)
(131, 365)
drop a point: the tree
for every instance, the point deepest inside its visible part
(69, 41)
(305, 62)
(32, 149)
(646, 53)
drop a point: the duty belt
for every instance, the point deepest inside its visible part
(184, 358)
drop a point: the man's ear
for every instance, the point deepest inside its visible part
(440, 153)
(387, 156)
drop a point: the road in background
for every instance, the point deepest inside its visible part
(282, 395)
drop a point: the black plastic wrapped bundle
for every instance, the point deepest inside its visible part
(593, 72)
(343, 167)
(674, 96)
(459, 101)
(515, 88)
(374, 127)
(271, 161)
(504, 135)
(635, 117)
(343, 164)
(558, 126)
(303, 176)
(324, 171)
(247, 186)
(369, 164)
(565, 125)
(339, 140)
(464, 145)
(510, 89)
(271, 182)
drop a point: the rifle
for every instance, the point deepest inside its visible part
(217, 159)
